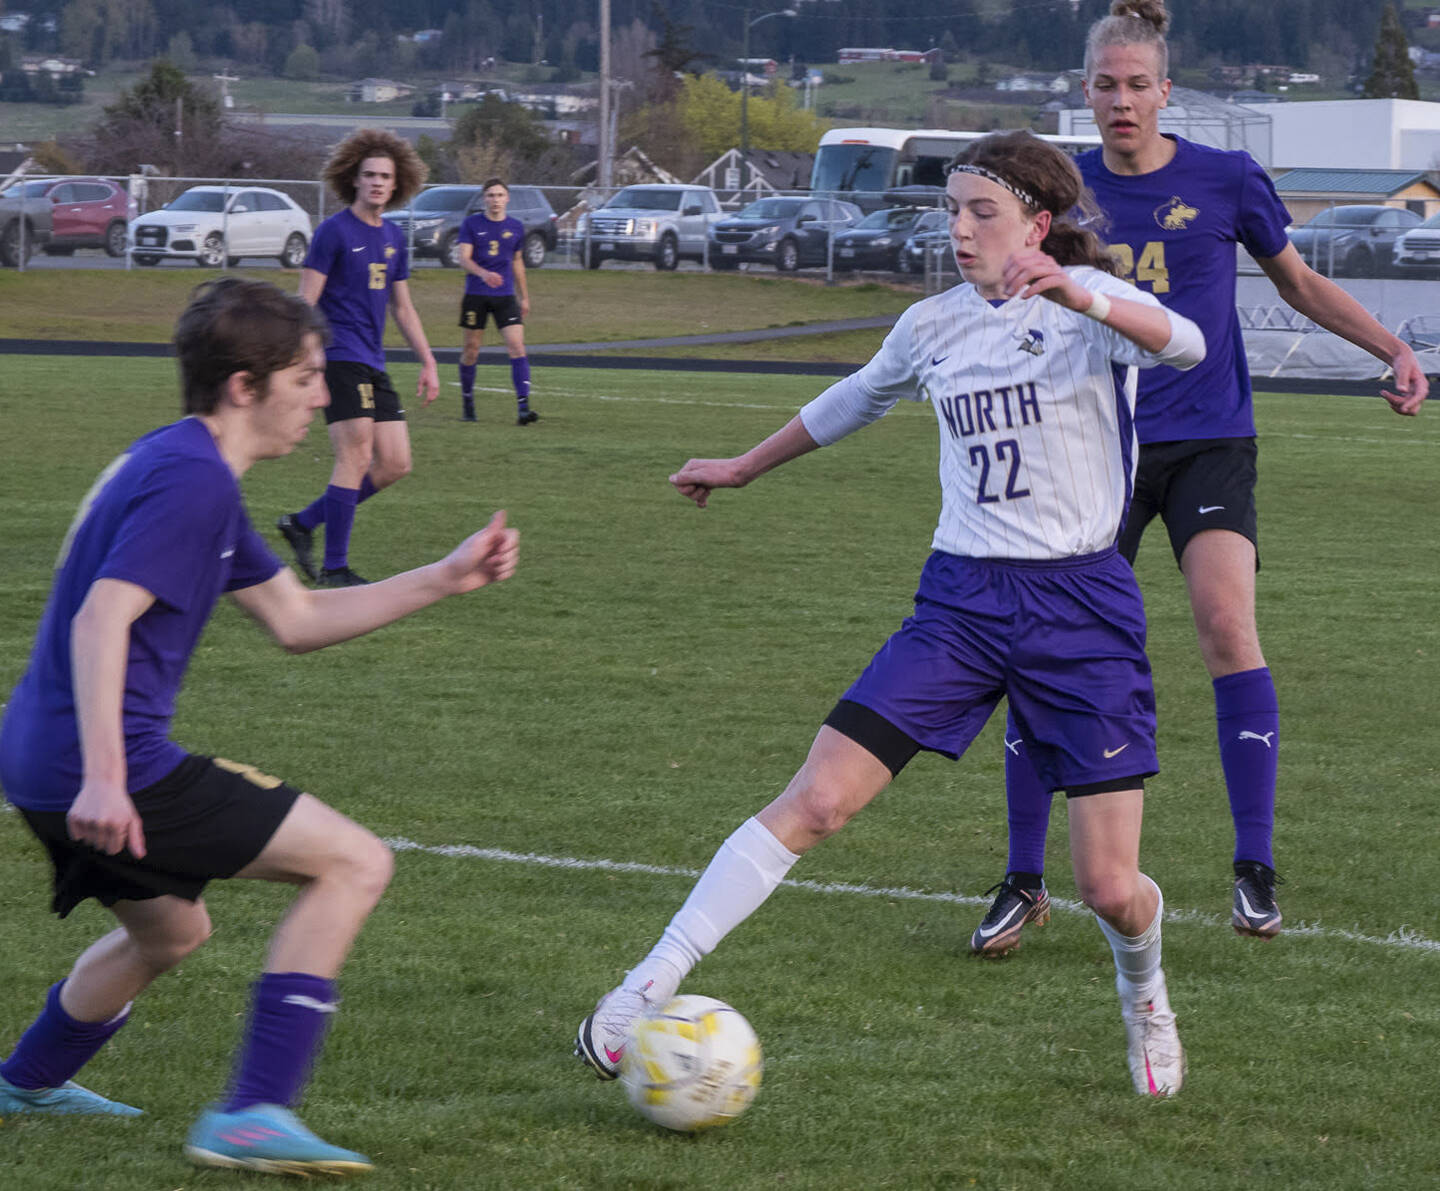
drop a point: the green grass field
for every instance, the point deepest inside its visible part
(652, 675)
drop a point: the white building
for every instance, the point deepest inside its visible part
(1387, 134)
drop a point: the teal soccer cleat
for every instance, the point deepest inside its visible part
(270, 1139)
(68, 1099)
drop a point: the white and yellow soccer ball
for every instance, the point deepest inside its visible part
(692, 1064)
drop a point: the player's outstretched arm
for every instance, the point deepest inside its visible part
(103, 814)
(407, 318)
(1323, 302)
(302, 620)
(698, 477)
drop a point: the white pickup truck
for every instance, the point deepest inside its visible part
(656, 222)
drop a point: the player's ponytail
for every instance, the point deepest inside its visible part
(1044, 179)
(1132, 22)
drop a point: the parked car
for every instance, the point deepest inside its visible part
(25, 223)
(1417, 252)
(1353, 241)
(875, 242)
(788, 233)
(212, 225)
(86, 213)
(663, 223)
(930, 237)
(438, 212)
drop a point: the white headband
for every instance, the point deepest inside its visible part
(981, 172)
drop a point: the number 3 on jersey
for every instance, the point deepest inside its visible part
(1150, 270)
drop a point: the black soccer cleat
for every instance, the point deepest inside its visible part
(999, 931)
(301, 541)
(1255, 912)
(526, 416)
(341, 577)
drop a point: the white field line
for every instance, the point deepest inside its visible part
(912, 410)
(1403, 938)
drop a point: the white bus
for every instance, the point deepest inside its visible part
(859, 164)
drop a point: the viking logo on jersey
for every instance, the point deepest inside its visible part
(1032, 342)
(1176, 215)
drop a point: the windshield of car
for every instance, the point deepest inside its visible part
(30, 189)
(199, 200)
(1431, 223)
(771, 208)
(637, 198)
(442, 198)
(891, 220)
(1344, 217)
(931, 221)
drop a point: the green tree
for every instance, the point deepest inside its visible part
(709, 112)
(181, 51)
(509, 126)
(1392, 75)
(303, 62)
(164, 119)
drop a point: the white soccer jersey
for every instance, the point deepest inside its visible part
(1035, 408)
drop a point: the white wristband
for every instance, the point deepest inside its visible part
(1099, 308)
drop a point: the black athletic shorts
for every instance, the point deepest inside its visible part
(1195, 485)
(476, 308)
(359, 391)
(205, 820)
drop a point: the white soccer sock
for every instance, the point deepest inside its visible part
(743, 873)
(1137, 961)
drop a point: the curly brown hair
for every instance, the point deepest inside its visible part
(1052, 180)
(1131, 22)
(344, 164)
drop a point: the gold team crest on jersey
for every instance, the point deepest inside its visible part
(506, 235)
(1176, 215)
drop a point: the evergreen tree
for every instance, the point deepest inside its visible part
(1392, 75)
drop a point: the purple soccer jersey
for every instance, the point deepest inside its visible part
(167, 516)
(361, 264)
(1174, 233)
(494, 245)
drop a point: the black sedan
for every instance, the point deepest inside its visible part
(931, 238)
(875, 242)
(788, 233)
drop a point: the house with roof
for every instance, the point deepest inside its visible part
(1306, 192)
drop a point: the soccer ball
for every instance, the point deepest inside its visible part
(692, 1064)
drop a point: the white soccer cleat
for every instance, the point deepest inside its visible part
(601, 1039)
(1157, 1060)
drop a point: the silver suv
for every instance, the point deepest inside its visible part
(651, 222)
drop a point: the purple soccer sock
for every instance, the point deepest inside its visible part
(1027, 805)
(1247, 719)
(520, 378)
(56, 1046)
(467, 380)
(339, 519)
(367, 490)
(289, 1014)
(312, 514)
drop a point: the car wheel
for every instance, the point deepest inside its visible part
(212, 252)
(1358, 263)
(11, 256)
(787, 256)
(292, 256)
(591, 258)
(115, 238)
(146, 261)
(534, 252)
(232, 262)
(450, 250)
(667, 254)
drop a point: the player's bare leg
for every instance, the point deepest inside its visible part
(1105, 851)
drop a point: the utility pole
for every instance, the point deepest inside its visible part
(606, 147)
